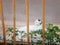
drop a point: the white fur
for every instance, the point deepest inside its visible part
(34, 27)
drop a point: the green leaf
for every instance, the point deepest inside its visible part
(10, 29)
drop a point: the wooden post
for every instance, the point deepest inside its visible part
(14, 19)
(43, 20)
(3, 25)
(27, 20)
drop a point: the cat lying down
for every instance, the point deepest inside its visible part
(36, 26)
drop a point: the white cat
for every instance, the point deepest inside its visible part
(36, 26)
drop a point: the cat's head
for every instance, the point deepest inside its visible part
(38, 22)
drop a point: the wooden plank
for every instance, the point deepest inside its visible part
(27, 20)
(3, 25)
(14, 19)
(43, 20)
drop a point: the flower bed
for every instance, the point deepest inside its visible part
(52, 35)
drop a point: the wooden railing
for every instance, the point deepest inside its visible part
(43, 20)
(2, 19)
(14, 19)
(27, 20)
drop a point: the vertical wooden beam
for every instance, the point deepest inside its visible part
(3, 25)
(14, 19)
(43, 20)
(27, 20)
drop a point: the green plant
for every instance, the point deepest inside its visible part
(22, 33)
(35, 33)
(10, 29)
(50, 34)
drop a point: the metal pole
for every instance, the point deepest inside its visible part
(43, 20)
(3, 25)
(27, 20)
(14, 19)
